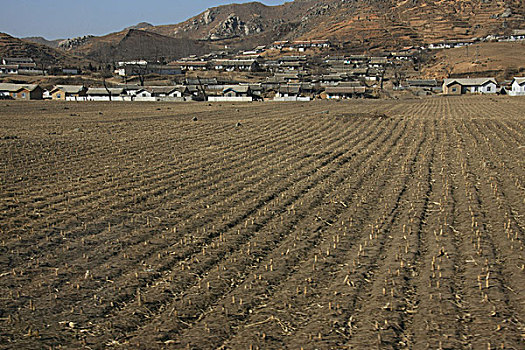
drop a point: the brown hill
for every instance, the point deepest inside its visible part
(365, 23)
(360, 24)
(43, 41)
(501, 60)
(42, 54)
(135, 44)
(397, 23)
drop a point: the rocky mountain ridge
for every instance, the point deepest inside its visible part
(358, 24)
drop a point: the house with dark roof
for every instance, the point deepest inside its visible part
(423, 85)
(288, 90)
(236, 91)
(293, 92)
(343, 92)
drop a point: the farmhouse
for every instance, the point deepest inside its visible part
(143, 94)
(103, 94)
(199, 81)
(236, 91)
(8, 68)
(291, 92)
(360, 72)
(169, 91)
(284, 59)
(302, 45)
(344, 92)
(236, 65)
(474, 85)
(287, 90)
(190, 65)
(70, 71)
(333, 79)
(517, 87)
(280, 44)
(140, 68)
(131, 89)
(21, 91)
(68, 92)
(429, 85)
(377, 62)
(231, 93)
(17, 60)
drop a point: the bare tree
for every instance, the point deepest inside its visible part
(106, 87)
(140, 70)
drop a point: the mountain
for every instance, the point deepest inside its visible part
(359, 24)
(366, 23)
(42, 54)
(141, 25)
(133, 44)
(43, 41)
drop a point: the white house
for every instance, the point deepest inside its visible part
(238, 65)
(103, 94)
(144, 95)
(517, 87)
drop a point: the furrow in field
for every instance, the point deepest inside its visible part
(483, 297)
(252, 290)
(291, 312)
(275, 236)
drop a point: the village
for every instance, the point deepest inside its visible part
(283, 71)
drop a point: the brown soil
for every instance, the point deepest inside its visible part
(355, 225)
(501, 60)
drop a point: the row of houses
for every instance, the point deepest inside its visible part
(19, 65)
(285, 90)
(123, 93)
(460, 86)
(301, 45)
(209, 90)
(21, 91)
(517, 35)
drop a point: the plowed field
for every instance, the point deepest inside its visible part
(359, 225)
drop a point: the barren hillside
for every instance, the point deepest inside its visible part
(502, 60)
(134, 43)
(42, 54)
(362, 24)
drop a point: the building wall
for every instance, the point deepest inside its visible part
(23, 95)
(229, 99)
(291, 99)
(454, 89)
(106, 98)
(76, 98)
(340, 96)
(58, 95)
(37, 94)
(517, 90)
(489, 88)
